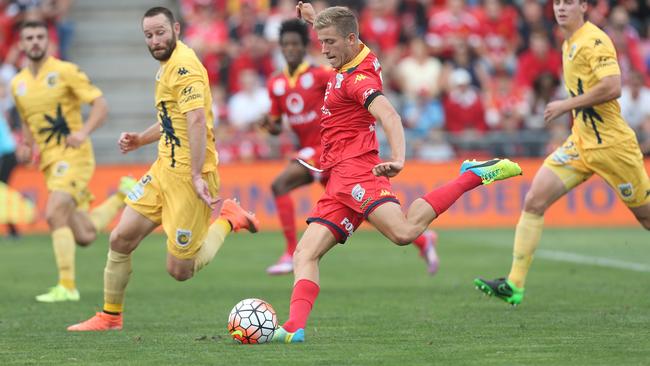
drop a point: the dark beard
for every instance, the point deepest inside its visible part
(171, 46)
(36, 58)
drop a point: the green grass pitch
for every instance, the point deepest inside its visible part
(587, 303)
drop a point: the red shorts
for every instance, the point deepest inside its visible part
(351, 194)
(311, 156)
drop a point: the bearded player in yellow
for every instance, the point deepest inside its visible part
(49, 94)
(601, 143)
(180, 189)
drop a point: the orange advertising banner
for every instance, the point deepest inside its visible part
(593, 203)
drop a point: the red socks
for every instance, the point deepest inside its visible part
(420, 242)
(302, 300)
(443, 197)
(284, 205)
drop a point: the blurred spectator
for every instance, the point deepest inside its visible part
(464, 113)
(252, 54)
(379, 25)
(465, 58)
(451, 24)
(532, 20)
(57, 13)
(286, 9)
(412, 19)
(538, 59)
(626, 40)
(208, 36)
(546, 88)
(247, 107)
(498, 29)
(644, 135)
(635, 101)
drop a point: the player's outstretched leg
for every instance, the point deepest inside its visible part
(282, 336)
(426, 243)
(502, 288)
(491, 170)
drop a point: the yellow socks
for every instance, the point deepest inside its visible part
(527, 236)
(64, 248)
(217, 233)
(104, 213)
(116, 277)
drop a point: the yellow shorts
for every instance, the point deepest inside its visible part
(72, 176)
(621, 166)
(168, 198)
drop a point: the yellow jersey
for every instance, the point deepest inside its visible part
(587, 57)
(182, 85)
(50, 104)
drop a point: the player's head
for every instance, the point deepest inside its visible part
(294, 38)
(338, 33)
(161, 31)
(34, 40)
(570, 14)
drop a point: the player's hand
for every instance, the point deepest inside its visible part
(128, 141)
(554, 110)
(202, 190)
(75, 139)
(270, 126)
(24, 153)
(306, 12)
(388, 169)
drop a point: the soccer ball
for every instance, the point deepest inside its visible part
(252, 321)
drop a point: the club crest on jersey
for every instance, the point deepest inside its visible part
(358, 192)
(61, 168)
(307, 80)
(51, 79)
(367, 93)
(183, 237)
(626, 190)
(572, 51)
(279, 87)
(339, 81)
(294, 102)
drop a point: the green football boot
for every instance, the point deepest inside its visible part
(491, 170)
(282, 336)
(126, 185)
(58, 293)
(501, 288)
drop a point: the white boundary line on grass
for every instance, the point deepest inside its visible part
(560, 256)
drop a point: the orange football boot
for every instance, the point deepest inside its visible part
(100, 322)
(238, 217)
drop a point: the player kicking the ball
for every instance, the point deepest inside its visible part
(358, 188)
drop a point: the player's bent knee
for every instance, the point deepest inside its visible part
(85, 239)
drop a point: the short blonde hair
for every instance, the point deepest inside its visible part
(341, 18)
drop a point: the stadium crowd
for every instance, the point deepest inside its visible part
(470, 77)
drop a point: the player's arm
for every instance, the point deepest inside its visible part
(96, 118)
(306, 12)
(130, 141)
(196, 132)
(608, 88)
(385, 113)
(25, 150)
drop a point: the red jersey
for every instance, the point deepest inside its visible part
(347, 127)
(299, 97)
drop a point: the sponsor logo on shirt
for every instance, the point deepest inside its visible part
(295, 103)
(51, 79)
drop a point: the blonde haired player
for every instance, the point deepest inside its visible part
(180, 189)
(49, 94)
(601, 143)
